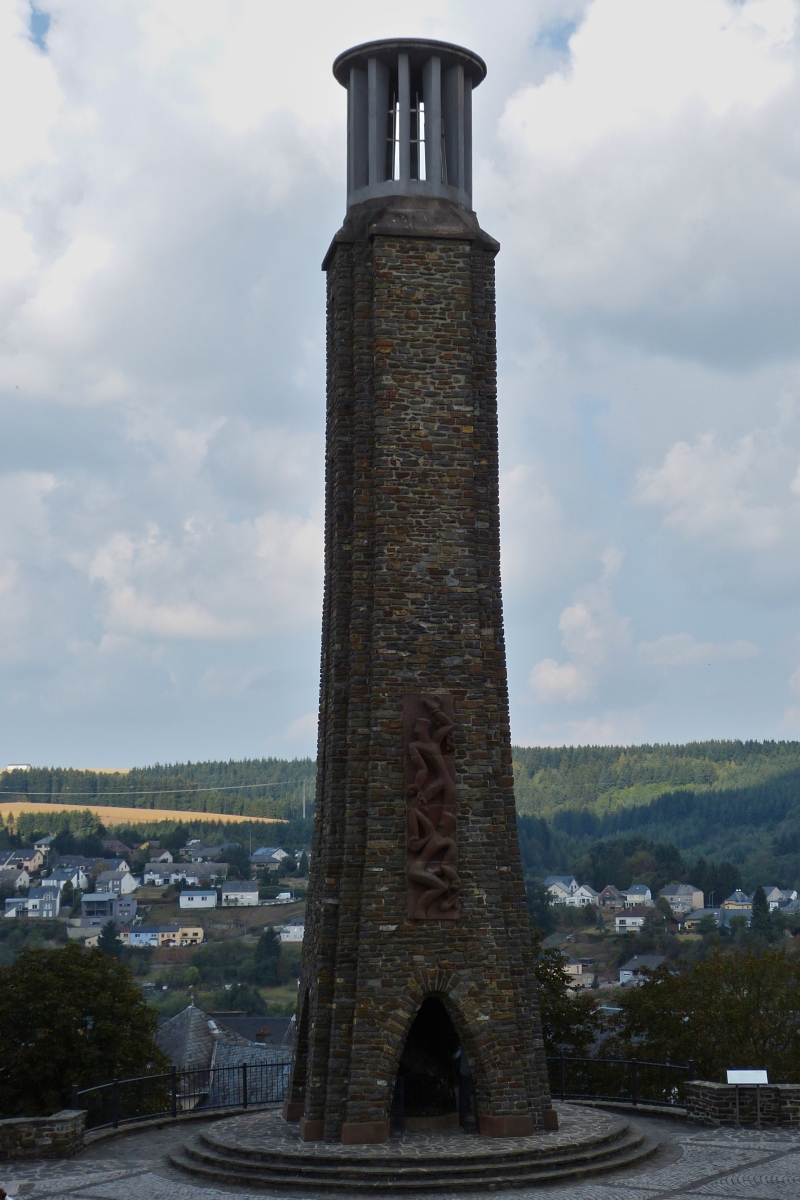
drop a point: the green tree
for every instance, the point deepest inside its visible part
(108, 941)
(69, 1016)
(730, 1010)
(267, 956)
(242, 996)
(238, 861)
(222, 962)
(539, 902)
(760, 922)
(569, 1024)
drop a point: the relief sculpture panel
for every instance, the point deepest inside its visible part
(431, 807)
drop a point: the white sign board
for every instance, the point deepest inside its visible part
(745, 1077)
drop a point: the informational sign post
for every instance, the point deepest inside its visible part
(748, 1079)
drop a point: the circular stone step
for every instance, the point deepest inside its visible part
(262, 1151)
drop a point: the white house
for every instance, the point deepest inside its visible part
(44, 902)
(121, 883)
(203, 898)
(239, 892)
(156, 873)
(637, 894)
(290, 933)
(61, 876)
(777, 896)
(188, 875)
(630, 972)
(631, 920)
(683, 898)
(17, 878)
(561, 887)
(584, 896)
(270, 857)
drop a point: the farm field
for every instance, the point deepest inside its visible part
(112, 815)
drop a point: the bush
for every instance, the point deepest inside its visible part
(730, 1010)
(242, 997)
(223, 962)
(69, 1016)
(570, 1025)
(139, 960)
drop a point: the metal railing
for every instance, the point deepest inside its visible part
(246, 1085)
(626, 1080)
(123, 1101)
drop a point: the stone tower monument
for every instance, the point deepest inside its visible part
(416, 956)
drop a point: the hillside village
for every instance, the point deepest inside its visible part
(677, 913)
(160, 906)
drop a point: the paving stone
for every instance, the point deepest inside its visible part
(690, 1166)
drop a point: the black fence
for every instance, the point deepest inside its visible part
(122, 1101)
(625, 1080)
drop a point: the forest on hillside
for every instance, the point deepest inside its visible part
(734, 802)
(255, 787)
(722, 802)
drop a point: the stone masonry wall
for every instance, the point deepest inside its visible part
(715, 1103)
(412, 603)
(59, 1136)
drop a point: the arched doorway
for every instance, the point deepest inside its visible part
(429, 1087)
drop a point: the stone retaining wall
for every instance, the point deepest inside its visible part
(58, 1136)
(715, 1103)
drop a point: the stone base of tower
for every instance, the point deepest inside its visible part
(261, 1150)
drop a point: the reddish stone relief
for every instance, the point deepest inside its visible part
(431, 807)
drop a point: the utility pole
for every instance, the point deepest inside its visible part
(304, 798)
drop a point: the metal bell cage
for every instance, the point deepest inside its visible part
(409, 119)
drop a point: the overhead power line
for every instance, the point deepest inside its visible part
(234, 787)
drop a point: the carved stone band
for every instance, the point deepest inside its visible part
(431, 807)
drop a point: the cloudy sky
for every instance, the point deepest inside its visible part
(171, 172)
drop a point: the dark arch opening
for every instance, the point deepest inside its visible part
(427, 1087)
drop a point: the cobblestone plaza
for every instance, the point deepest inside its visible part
(691, 1164)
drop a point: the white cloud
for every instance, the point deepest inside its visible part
(166, 202)
(711, 493)
(553, 682)
(302, 729)
(267, 578)
(683, 650)
(593, 634)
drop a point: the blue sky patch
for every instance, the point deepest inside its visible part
(39, 25)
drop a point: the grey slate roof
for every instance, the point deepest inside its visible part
(252, 1027)
(187, 1040)
(267, 1077)
(643, 961)
(194, 1041)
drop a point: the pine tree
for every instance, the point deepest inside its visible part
(760, 922)
(268, 952)
(108, 941)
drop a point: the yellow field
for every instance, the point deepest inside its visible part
(131, 816)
